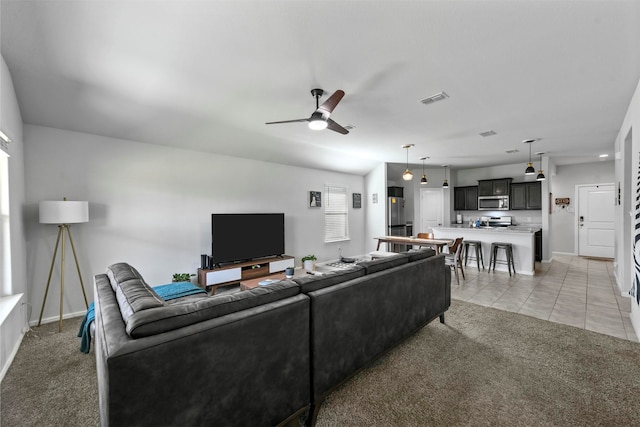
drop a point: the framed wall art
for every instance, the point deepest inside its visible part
(357, 200)
(315, 199)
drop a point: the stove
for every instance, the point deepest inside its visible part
(496, 221)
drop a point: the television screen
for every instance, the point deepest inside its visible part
(246, 236)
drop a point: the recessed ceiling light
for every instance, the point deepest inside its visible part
(603, 155)
(434, 98)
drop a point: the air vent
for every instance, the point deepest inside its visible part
(434, 98)
(487, 133)
(512, 151)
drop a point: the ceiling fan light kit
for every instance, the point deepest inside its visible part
(317, 123)
(320, 118)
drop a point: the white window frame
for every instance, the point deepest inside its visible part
(5, 242)
(336, 213)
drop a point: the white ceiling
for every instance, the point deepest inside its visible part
(207, 75)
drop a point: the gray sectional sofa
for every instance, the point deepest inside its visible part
(266, 356)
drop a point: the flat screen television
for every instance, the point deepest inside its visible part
(246, 236)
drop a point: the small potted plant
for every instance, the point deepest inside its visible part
(182, 277)
(309, 262)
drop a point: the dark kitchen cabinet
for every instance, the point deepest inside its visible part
(494, 187)
(538, 238)
(465, 198)
(526, 196)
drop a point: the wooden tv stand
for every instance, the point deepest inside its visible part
(233, 273)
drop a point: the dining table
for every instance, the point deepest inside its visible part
(436, 244)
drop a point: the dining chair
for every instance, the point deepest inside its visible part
(454, 258)
(425, 235)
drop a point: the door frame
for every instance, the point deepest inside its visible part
(576, 228)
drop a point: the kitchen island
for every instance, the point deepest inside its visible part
(522, 239)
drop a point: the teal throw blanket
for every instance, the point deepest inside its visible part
(166, 292)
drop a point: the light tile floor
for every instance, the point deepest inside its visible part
(573, 290)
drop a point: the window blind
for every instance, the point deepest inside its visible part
(336, 224)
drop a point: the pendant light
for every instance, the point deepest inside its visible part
(530, 169)
(540, 176)
(423, 180)
(445, 184)
(407, 175)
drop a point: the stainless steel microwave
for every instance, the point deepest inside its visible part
(493, 203)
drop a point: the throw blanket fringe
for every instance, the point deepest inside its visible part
(166, 292)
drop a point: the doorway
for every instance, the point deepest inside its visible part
(430, 209)
(596, 220)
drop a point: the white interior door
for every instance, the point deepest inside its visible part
(596, 227)
(430, 209)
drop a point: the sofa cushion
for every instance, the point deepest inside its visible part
(384, 263)
(417, 254)
(310, 283)
(121, 272)
(162, 319)
(132, 292)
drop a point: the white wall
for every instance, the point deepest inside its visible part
(562, 222)
(151, 206)
(375, 213)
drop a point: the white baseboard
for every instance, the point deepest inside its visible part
(564, 254)
(57, 318)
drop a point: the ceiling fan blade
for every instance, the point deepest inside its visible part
(332, 101)
(287, 121)
(336, 127)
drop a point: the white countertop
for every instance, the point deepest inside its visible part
(511, 229)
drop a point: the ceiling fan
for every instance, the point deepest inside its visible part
(320, 118)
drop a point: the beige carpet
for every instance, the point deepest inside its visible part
(483, 367)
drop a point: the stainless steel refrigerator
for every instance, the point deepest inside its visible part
(397, 221)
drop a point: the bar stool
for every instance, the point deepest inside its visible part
(477, 244)
(508, 249)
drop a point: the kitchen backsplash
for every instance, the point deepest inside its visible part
(518, 217)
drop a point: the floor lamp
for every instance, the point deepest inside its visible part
(63, 213)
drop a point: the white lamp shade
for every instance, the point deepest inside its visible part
(63, 212)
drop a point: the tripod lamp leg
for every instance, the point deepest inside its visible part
(53, 260)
